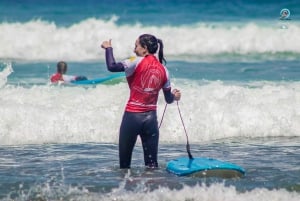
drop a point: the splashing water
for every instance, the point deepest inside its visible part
(5, 73)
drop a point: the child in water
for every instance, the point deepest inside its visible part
(61, 77)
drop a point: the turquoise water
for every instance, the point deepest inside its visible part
(236, 64)
(90, 172)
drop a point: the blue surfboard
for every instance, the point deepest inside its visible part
(98, 80)
(203, 167)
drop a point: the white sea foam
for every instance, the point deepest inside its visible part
(213, 192)
(42, 40)
(5, 73)
(214, 110)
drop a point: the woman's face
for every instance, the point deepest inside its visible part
(139, 50)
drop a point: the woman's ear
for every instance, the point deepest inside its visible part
(145, 52)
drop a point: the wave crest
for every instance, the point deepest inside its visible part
(42, 40)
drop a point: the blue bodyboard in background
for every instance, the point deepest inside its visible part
(98, 80)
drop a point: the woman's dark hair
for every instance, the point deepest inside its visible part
(151, 43)
(62, 67)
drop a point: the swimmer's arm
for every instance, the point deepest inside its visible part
(111, 64)
(169, 96)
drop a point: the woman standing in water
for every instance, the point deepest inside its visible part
(146, 75)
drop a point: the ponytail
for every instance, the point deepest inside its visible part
(152, 44)
(161, 52)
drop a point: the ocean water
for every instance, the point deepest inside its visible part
(235, 62)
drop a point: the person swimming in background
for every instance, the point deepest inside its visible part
(146, 76)
(61, 77)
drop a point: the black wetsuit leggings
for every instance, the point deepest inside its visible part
(143, 124)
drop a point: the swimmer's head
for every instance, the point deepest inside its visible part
(149, 42)
(62, 67)
(152, 44)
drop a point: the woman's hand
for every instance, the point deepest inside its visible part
(177, 94)
(106, 44)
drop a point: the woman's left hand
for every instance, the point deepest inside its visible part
(177, 94)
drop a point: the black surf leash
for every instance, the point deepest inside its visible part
(162, 116)
(187, 138)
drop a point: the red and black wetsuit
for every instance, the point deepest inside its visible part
(146, 76)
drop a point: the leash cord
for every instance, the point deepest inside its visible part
(187, 138)
(162, 116)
